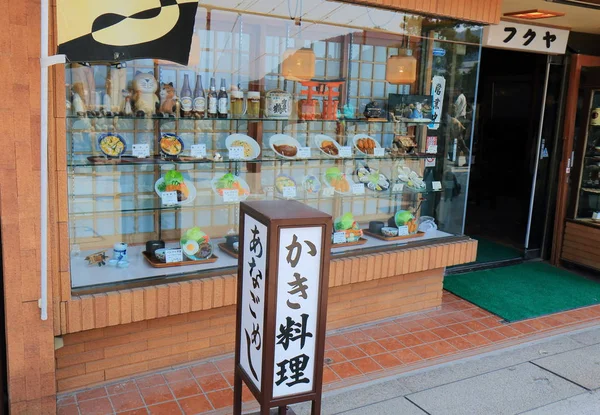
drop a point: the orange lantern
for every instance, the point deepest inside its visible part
(401, 69)
(298, 64)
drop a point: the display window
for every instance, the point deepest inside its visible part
(364, 114)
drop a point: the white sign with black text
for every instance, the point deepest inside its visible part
(438, 89)
(526, 37)
(299, 279)
(253, 297)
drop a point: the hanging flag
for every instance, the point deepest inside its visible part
(118, 30)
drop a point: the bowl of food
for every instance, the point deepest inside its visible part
(170, 144)
(348, 226)
(230, 181)
(389, 231)
(160, 254)
(327, 145)
(195, 244)
(112, 145)
(365, 144)
(251, 149)
(311, 184)
(282, 181)
(336, 179)
(174, 182)
(284, 146)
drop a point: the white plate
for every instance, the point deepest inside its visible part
(319, 138)
(213, 184)
(243, 137)
(189, 185)
(358, 137)
(317, 184)
(280, 139)
(350, 183)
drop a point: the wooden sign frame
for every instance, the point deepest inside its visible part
(277, 215)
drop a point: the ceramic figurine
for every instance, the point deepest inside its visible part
(84, 85)
(78, 105)
(127, 110)
(116, 81)
(97, 258)
(144, 97)
(168, 100)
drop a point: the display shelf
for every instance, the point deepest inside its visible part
(86, 276)
(129, 161)
(249, 119)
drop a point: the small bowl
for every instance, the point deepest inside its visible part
(376, 226)
(160, 255)
(236, 246)
(389, 231)
(152, 246)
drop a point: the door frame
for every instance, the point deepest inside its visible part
(562, 198)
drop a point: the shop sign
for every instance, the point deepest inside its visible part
(112, 30)
(439, 52)
(526, 37)
(438, 89)
(282, 299)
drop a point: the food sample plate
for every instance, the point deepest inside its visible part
(372, 179)
(250, 146)
(196, 244)
(284, 146)
(282, 181)
(327, 145)
(365, 144)
(341, 185)
(311, 184)
(160, 187)
(411, 179)
(170, 144)
(230, 182)
(111, 144)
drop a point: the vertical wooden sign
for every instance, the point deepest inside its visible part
(283, 275)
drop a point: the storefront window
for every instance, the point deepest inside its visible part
(150, 167)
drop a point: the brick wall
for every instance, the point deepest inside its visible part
(103, 355)
(30, 342)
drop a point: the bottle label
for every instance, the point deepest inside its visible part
(199, 104)
(186, 104)
(212, 105)
(223, 105)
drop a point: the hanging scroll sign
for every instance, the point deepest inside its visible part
(114, 30)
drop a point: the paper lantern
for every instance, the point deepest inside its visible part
(401, 69)
(298, 64)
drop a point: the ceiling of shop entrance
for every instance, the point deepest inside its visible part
(579, 19)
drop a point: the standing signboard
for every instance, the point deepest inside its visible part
(283, 274)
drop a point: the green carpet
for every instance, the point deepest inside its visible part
(524, 291)
(488, 251)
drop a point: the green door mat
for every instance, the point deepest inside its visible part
(524, 291)
(488, 251)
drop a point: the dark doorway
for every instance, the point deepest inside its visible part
(510, 94)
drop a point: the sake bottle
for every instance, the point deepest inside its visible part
(212, 99)
(222, 109)
(199, 99)
(186, 97)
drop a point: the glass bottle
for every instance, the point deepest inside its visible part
(212, 99)
(186, 97)
(222, 109)
(199, 106)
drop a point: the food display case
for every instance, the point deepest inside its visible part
(159, 155)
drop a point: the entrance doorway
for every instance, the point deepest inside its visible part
(501, 212)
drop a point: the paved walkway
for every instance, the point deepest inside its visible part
(555, 376)
(354, 357)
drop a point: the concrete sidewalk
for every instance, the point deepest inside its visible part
(556, 375)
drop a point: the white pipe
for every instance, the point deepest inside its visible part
(45, 62)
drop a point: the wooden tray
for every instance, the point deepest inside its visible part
(361, 241)
(157, 264)
(229, 251)
(392, 238)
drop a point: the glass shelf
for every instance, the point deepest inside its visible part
(267, 158)
(247, 119)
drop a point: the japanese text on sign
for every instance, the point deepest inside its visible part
(297, 309)
(532, 38)
(254, 270)
(438, 89)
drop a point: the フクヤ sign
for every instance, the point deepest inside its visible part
(283, 273)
